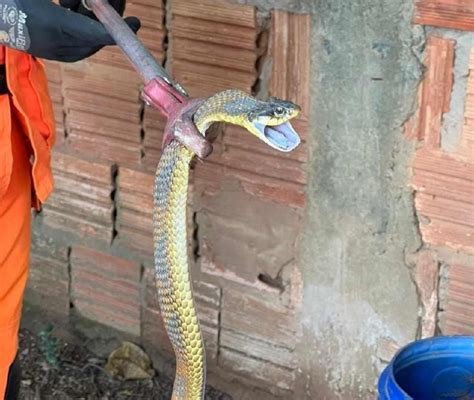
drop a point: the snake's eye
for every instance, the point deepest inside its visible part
(279, 112)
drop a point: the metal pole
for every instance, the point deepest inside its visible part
(141, 59)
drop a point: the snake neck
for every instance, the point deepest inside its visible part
(230, 106)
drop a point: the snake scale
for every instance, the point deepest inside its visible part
(268, 120)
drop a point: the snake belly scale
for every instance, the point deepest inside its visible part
(268, 120)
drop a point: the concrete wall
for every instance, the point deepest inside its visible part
(360, 224)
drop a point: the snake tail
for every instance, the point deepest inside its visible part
(173, 279)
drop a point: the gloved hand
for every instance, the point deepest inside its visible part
(46, 30)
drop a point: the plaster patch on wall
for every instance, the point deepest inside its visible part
(340, 328)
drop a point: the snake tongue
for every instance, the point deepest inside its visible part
(281, 137)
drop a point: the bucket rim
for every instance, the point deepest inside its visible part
(387, 382)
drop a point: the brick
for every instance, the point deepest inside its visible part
(461, 279)
(48, 284)
(453, 14)
(207, 293)
(136, 182)
(211, 337)
(466, 146)
(444, 191)
(202, 80)
(154, 125)
(76, 225)
(139, 242)
(216, 11)
(135, 210)
(254, 348)
(262, 165)
(100, 80)
(426, 279)
(441, 163)
(444, 233)
(153, 41)
(276, 190)
(258, 319)
(141, 222)
(48, 281)
(208, 316)
(435, 91)
(47, 247)
(53, 71)
(85, 171)
(99, 213)
(55, 95)
(256, 370)
(458, 318)
(103, 148)
(82, 202)
(215, 32)
(150, 159)
(106, 289)
(469, 110)
(248, 247)
(75, 186)
(192, 60)
(437, 183)
(150, 17)
(290, 53)
(215, 54)
(113, 108)
(445, 209)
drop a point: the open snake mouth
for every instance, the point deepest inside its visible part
(281, 137)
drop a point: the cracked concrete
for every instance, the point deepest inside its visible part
(359, 223)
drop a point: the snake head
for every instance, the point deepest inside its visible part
(270, 123)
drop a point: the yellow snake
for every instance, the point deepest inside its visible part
(268, 120)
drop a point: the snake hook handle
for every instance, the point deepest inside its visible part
(160, 91)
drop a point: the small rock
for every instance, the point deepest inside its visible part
(129, 362)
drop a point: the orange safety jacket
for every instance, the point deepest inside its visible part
(29, 91)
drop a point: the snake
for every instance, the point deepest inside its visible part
(267, 120)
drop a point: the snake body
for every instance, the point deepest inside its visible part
(269, 121)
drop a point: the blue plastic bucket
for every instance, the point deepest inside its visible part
(440, 368)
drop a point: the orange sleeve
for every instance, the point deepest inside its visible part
(15, 232)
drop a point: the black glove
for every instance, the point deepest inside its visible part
(45, 30)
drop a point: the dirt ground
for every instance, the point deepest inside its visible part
(55, 369)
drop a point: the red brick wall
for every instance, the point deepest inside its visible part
(94, 235)
(454, 14)
(443, 182)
